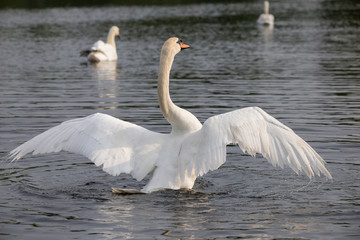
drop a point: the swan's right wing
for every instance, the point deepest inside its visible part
(121, 147)
(254, 131)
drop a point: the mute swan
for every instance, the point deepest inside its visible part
(101, 51)
(266, 18)
(175, 160)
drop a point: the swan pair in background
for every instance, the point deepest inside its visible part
(101, 51)
(266, 18)
(175, 160)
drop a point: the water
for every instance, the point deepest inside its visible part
(305, 72)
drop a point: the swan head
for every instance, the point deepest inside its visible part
(173, 46)
(115, 30)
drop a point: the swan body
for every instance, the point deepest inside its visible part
(175, 160)
(266, 18)
(101, 51)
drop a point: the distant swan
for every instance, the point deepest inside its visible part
(266, 18)
(101, 51)
(175, 160)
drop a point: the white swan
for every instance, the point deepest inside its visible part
(175, 160)
(101, 51)
(266, 18)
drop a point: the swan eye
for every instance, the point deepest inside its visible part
(179, 41)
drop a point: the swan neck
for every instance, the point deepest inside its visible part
(266, 7)
(166, 61)
(182, 121)
(111, 38)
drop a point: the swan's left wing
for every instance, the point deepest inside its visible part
(121, 147)
(254, 131)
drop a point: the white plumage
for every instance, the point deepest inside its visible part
(190, 150)
(101, 51)
(266, 18)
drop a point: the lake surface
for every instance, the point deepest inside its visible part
(305, 72)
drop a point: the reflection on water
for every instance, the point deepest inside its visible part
(304, 72)
(266, 31)
(106, 73)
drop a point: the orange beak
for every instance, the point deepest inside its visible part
(183, 46)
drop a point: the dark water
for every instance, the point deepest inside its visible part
(305, 72)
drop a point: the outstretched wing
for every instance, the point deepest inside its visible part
(254, 131)
(119, 146)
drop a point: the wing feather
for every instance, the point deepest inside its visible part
(254, 131)
(119, 146)
(97, 45)
(104, 48)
